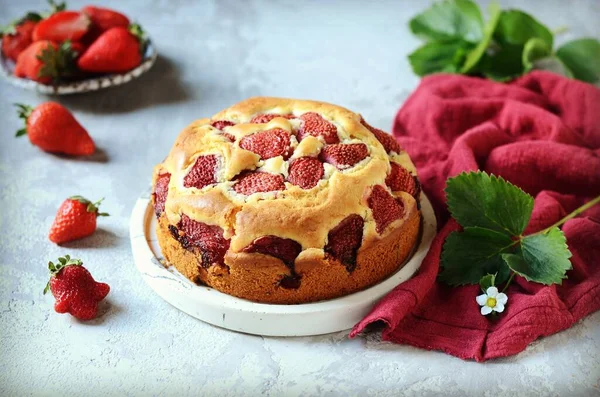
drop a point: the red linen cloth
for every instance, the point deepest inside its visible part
(542, 133)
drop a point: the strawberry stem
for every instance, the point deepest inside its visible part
(510, 279)
(572, 215)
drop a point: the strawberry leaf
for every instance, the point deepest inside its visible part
(449, 20)
(543, 258)
(437, 57)
(517, 27)
(470, 255)
(478, 199)
(494, 214)
(582, 57)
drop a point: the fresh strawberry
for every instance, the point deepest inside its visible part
(52, 128)
(281, 248)
(344, 155)
(400, 179)
(29, 63)
(75, 290)
(105, 18)
(258, 182)
(62, 26)
(305, 172)
(45, 62)
(344, 240)
(17, 36)
(269, 143)
(75, 219)
(117, 50)
(202, 173)
(388, 141)
(161, 190)
(265, 118)
(207, 238)
(385, 208)
(220, 124)
(315, 125)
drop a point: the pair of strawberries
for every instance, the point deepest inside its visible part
(69, 44)
(75, 290)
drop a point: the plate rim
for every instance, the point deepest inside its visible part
(363, 301)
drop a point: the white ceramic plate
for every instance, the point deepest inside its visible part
(241, 315)
(7, 67)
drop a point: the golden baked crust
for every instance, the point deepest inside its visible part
(216, 229)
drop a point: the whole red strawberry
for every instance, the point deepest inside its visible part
(105, 18)
(117, 50)
(30, 66)
(17, 37)
(52, 128)
(62, 26)
(75, 290)
(75, 219)
(44, 61)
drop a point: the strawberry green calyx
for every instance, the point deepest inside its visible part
(24, 112)
(61, 264)
(136, 30)
(56, 7)
(91, 207)
(57, 62)
(11, 28)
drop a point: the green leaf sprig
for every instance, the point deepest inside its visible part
(491, 248)
(510, 44)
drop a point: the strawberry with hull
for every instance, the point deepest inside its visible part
(75, 219)
(75, 290)
(52, 128)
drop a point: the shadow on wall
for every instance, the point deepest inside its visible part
(161, 85)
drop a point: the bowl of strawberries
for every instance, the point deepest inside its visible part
(68, 51)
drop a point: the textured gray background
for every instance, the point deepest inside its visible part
(214, 54)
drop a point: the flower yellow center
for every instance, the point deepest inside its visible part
(491, 302)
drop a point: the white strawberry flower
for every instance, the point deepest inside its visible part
(492, 301)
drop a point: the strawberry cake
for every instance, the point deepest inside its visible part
(286, 201)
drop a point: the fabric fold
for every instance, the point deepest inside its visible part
(542, 133)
